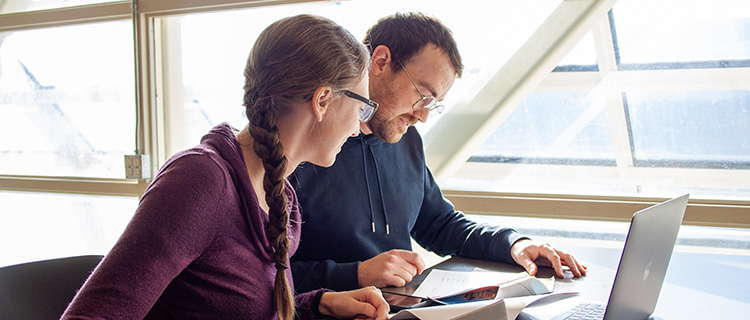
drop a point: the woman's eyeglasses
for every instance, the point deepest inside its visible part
(366, 112)
(425, 102)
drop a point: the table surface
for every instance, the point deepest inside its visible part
(697, 285)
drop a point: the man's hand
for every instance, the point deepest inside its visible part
(365, 303)
(391, 268)
(526, 253)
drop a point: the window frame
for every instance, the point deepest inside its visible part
(149, 102)
(446, 149)
(530, 70)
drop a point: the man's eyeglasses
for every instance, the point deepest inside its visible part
(366, 112)
(425, 102)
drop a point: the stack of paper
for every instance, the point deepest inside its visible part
(442, 284)
(477, 295)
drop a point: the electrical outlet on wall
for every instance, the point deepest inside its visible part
(137, 166)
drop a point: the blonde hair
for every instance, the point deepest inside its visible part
(291, 59)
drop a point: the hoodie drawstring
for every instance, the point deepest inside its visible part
(380, 188)
(367, 183)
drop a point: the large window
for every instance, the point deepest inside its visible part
(654, 101)
(564, 106)
(67, 97)
(67, 117)
(201, 95)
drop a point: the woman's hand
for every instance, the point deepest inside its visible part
(365, 303)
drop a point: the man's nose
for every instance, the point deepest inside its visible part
(422, 114)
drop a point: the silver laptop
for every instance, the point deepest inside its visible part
(643, 265)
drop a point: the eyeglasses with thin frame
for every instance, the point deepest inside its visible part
(425, 102)
(366, 112)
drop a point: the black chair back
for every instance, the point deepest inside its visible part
(42, 289)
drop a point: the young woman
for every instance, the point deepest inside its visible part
(212, 235)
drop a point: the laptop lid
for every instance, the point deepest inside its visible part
(645, 258)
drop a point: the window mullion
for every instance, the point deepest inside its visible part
(614, 103)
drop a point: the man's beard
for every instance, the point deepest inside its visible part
(386, 129)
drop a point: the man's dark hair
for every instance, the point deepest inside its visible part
(405, 34)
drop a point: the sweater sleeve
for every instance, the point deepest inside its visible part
(445, 231)
(310, 275)
(171, 227)
(308, 304)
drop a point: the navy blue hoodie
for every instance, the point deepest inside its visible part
(373, 199)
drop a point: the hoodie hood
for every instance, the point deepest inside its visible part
(223, 141)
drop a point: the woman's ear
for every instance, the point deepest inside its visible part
(380, 61)
(321, 102)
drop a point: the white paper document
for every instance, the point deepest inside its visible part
(501, 309)
(442, 283)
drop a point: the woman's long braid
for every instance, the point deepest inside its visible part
(268, 147)
(290, 60)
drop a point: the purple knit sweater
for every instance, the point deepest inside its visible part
(196, 247)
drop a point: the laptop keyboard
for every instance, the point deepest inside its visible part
(584, 311)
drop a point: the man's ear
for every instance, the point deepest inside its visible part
(321, 102)
(381, 60)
